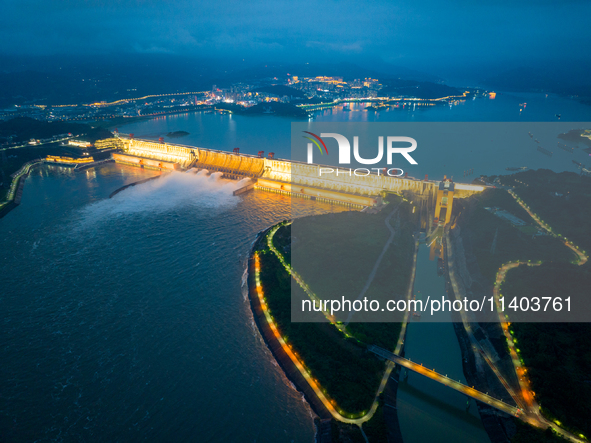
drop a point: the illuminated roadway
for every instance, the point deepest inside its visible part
(581, 254)
(320, 392)
(468, 328)
(533, 414)
(530, 410)
(466, 390)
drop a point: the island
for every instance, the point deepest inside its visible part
(272, 107)
(177, 134)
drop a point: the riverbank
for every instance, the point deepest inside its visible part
(379, 423)
(328, 362)
(14, 195)
(272, 341)
(15, 192)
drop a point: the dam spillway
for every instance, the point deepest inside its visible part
(283, 176)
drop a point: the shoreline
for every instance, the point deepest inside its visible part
(289, 369)
(19, 180)
(18, 183)
(324, 420)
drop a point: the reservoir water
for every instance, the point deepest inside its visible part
(125, 319)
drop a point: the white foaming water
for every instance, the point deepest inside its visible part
(163, 194)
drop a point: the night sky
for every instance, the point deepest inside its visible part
(419, 34)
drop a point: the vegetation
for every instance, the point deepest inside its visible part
(529, 434)
(25, 128)
(345, 433)
(341, 363)
(376, 429)
(336, 253)
(283, 109)
(557, 355)
(416, 89)
(563, 200)
(512, 243)
(119, 121)
(574, 136)
(280, 91)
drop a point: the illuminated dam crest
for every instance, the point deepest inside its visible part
(295, 178)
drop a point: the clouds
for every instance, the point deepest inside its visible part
(411, 31)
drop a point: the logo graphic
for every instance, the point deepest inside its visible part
(345, 148)
(316, 143)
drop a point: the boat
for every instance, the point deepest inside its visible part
(545, 151)
(578, 163)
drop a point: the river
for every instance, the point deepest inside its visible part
(427, 410)
(124, 319)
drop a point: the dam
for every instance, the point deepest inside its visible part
(297, 179)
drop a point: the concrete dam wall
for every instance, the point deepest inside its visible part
(232, 164)
(283, 176)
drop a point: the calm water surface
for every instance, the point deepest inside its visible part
(427, 410)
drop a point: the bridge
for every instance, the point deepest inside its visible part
(443, 379)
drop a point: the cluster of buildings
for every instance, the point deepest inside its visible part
(290, 89)
(336, 88)
(295, 90)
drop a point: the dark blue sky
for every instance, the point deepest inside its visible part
(420, 34)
